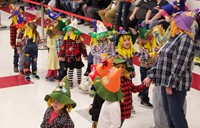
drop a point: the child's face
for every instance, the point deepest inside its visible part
(103, 39)
(126, 43)
(69, 32)
(57, 106)
(123, 68)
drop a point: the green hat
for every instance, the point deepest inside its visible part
(72, 26)
(122, 33)
(62, 93)
(108, 87)
(122, 61)
(143, 33)
(61, 24)
(100, 30)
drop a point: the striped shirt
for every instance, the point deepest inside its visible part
(173, 67)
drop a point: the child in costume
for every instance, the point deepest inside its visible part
(108, 88)
(99, 71)
(13, 34)
(31, 52)
(59, 104)
(125, 48)
(21, 42)
(53, 63)
(59, 41)
(100, 43)
(127, 88)
(72, 49)
(147, 57)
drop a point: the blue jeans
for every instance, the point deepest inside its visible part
(123, 6)
(31, 54)
(66, 4)
(173, 106)
(151, 25)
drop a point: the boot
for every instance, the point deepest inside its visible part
(84, 83)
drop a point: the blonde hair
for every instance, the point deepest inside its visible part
(175, 30)
(125, 53)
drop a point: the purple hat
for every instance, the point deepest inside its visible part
(174, 7)
(52, 14)
(185, 20)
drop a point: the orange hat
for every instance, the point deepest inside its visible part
(108, 87)
(112, 82)
(103, 68)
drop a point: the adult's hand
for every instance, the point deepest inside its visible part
(169, 90)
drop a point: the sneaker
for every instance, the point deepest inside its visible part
(49, 78)
(146, 105)
(27, 77)
(56, 77)
(92, 93)
(36, 76)
(86, 73)
(16, 69)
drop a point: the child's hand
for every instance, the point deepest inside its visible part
(147, 81)
(70, 49)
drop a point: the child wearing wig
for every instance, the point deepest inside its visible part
(31, 52)
(53, 63)
(72, 49)
(59, 104)
(125, 48)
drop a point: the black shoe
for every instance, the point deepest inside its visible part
(36, 76)
(146, 105)
(27, 78)
(81, 22)
(16, 69)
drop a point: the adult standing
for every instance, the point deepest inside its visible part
(173, 70)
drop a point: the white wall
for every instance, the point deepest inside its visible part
(193, 4)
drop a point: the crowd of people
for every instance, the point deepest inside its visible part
(168, 38)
